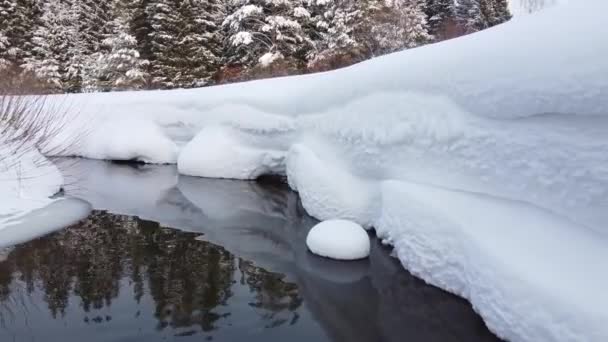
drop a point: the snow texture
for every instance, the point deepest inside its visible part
(205, 156)
(483, 159)
(27, 181)
(42, 220)
(338, 239)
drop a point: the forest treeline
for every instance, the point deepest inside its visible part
(104, 45)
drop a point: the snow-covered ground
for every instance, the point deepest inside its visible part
(523, 7)
(483, 160)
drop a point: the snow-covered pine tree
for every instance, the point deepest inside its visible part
(476, 15)
(337, 25)
(91, 28)
(52, 40)
(469, 15)
(185, 42)
(5, 62)
(120, 66)
(260, 32)
(502, 12)
(16, 28)
(439, 14)
(139, 25)
(352, 31)
(396, 25)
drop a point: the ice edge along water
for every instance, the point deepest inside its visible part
(483, 160)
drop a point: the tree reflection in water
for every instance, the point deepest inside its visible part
(189, 280)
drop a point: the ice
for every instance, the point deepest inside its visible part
(338, 239)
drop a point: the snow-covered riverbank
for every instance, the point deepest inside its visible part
(483, 160)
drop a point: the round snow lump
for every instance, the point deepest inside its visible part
(339, 239)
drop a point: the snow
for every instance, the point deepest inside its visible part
(216, 152)
(269, 57)
(25, 173)
(502, 255)
(39, 221)
(116, 138)
(523, 7)
(483, 160)
(27, 180)
(339, 239)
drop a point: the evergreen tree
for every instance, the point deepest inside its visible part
(439, 13)
(397, 25)
(185, 44)
(470, 16)
(91, 28)
(52, 41)
(4, 46)
(139, 25)
(502, 12)
(337, 25)
(356, 30)
(476, 15)
(260, 32)
(16, 28)
(121, 67)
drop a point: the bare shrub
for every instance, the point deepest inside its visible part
(28, 120)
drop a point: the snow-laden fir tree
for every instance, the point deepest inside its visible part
(352, 30)
(91, 27)
(334, 25)
(260, 32)
(184, 41)
(469, 16)
(476, 15)
(501, 12)
(439, 14)
(121, 66)
(4, 46)
(16, 28)
(53, 40)
(396, 25)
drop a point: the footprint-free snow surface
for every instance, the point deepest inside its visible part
(483, 160)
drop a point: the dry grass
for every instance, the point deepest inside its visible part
(29, 120)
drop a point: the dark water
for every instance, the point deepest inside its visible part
(118, 277)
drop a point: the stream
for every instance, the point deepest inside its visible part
(164, 257)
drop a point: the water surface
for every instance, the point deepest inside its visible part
(165, 257)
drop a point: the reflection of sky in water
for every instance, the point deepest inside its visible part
(117, 278)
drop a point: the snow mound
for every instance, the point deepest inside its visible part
(339, 239)
(130, 139)
(531, 275)
(216, 152)
(328, 191)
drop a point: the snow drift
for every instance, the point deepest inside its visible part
(483, 160)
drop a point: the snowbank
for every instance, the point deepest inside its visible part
(483, 160)
(25, 173)
(216, 152)
(27, 181)
(532, 275)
